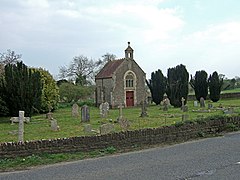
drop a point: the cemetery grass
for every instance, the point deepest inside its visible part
(39, 127)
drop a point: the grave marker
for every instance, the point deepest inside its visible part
(85, 113)
(106, 128)
(21, 127)
(54, 125)
(75, 110)
(202, 102)
(144, 109)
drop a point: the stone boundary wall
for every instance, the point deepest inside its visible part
(121, 140)
(222, 96)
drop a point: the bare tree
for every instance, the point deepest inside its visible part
(102, 61)
(80, 70)
(9, 57)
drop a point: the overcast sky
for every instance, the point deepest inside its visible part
(201, 34)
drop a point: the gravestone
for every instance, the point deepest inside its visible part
(144, 109)
(54, 125)
(185, 108)
(21, 127)
(75, 110)
(87, 128)
(85, 113)
(120, 112)
(165, 104)
(202, 102)
(106, 128)
(184, 117)
(183, 101)
(16, 119)
(195, 104)
(49, 115)
(228, 111)
(104, 109)
(210, 106)
(124, 123)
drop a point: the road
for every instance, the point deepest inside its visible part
(212, 158)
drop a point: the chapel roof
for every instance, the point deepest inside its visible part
(108, 70)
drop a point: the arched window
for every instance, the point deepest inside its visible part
(129, 79)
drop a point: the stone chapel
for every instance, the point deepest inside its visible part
(121, 81)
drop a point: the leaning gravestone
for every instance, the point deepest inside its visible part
(75, 110)
(85, 113)
(202, 102)
(106, 128)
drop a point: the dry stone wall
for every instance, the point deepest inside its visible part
(119, 140)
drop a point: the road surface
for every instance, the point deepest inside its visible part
(212, 158)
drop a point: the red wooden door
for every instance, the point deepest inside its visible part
(130, 98)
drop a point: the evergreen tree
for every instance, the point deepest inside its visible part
(177, 85)
(22, 89)
(157, 86)
(200, 84)
(215, 85)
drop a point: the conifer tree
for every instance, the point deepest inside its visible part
(215, 85)
(157, 86)
(177, 85)
(200, 84)
(22, 89)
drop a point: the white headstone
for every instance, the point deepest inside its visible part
(21, 127)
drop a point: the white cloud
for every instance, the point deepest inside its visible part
(222, 33)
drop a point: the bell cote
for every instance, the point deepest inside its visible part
(129, 52)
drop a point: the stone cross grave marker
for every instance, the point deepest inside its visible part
(75, 110)
(54, 125)
(183, 100)
(16, 119)
(144, 109)
(21, 127)
(85, 113)
(120, 112)
(184, 107)
(106, 128)
(202, 102)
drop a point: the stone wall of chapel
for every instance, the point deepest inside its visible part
(118, 89)
(105, 85)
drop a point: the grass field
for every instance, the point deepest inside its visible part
(39, 127)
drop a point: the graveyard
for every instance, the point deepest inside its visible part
(68, 121)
